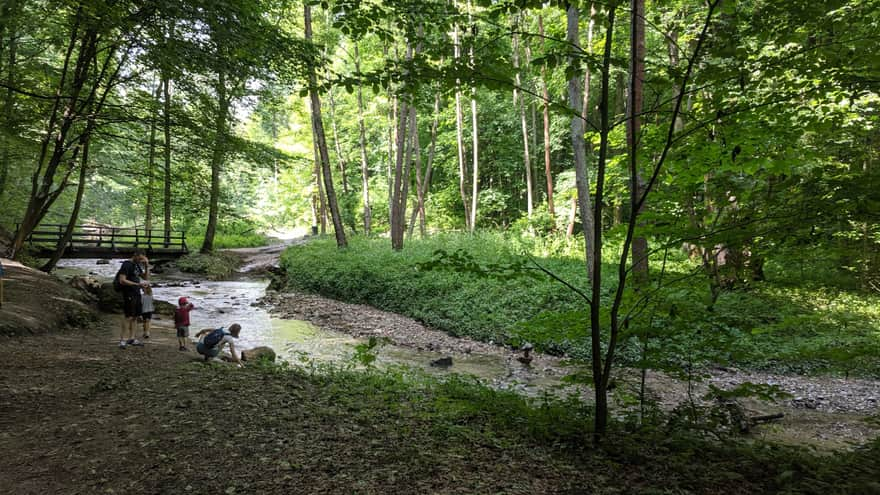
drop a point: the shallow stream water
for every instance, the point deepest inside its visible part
(222, 303)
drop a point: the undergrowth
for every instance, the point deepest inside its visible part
(808, 328)
(227, 240)
(215, 266)
(651, 456)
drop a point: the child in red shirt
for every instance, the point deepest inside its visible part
(181, 321)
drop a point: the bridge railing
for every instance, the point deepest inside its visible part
(99, 238)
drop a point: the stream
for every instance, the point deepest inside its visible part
(823, 411)
(222, 303)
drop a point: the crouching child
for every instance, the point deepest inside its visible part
(212, 340)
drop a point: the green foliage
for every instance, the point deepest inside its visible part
(365, 352)
(478, 286)
(215, 266)
(453, 415)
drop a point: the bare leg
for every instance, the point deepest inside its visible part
(147, 328)
(131, 324)
(122, 329)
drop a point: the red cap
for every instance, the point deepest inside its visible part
(182, 301)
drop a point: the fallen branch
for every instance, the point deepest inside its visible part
(766, 418)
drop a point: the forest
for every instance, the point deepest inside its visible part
(643, 195)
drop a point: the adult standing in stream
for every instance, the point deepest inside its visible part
(130, 283)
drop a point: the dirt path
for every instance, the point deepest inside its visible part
(83, 416)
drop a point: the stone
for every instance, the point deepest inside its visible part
(88, 284)
(258, 353)
(443, 362)
(103, 262)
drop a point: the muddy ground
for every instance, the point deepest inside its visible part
(80, 416)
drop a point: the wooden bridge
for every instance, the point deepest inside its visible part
(96, 241)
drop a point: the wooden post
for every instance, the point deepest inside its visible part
(113, 238)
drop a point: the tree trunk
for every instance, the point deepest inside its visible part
(527, 51)
(319, 182)
(520, 102)
(475, 185)
(318, 132)
(91, 108)
(634, 110)
(336, 145)
(151, 163)
(365, 171)
(599, 383)
(585, 111)
(217, 158)
(44, 190)
(166, 116)
(546, 97)
(9, 14)
(459, 133)
(411, 146)
(402, 137)
(582, 179)
(426, 183)
(74, 214)
(406, 121)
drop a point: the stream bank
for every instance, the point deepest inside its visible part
(822, 411)
(84, 417)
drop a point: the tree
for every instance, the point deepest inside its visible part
(94, 32)
(321, 141)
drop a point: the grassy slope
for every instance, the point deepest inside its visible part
(786, 327)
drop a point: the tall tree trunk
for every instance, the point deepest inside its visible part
(575, 102)
(218, 156)
(365, 170)
(426, 183)
(585, 111)
(90, 108)
(44, 188)
(336, 144)
(520, 102)
(400, 158)
(634, 126)
(406, 122)
(600, 384)
(475, 177)
(9, 14)
(321, 199)
(318, 132)
(74, 214)
(527, 51)
(151, 162)
(602, 370)
(546, 97)
(166, 151)
(459, 132)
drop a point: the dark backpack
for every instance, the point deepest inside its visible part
(214, 338)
